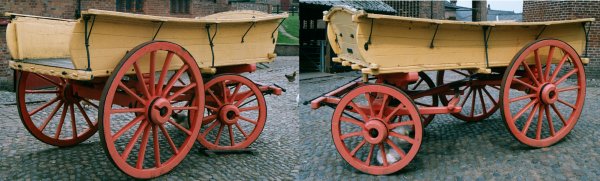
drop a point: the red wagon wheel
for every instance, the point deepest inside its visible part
(235, 111)
(122, 125)
(52, 113)
(424, 83)
(478, 101)
(534, 87)
(377, 129)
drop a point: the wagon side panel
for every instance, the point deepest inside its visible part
(344, 31)
(35, 38)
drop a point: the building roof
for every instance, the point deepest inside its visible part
(374, 6)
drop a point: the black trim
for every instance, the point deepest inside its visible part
(486, 37)
(248, 31)
(158, 30)
(276, 28)
(370, 33)
(587, 36)
(210, 40)
(540, 33)
(433, 38)
(87, 35)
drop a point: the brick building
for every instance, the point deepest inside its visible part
(68, 9)
(565, 10)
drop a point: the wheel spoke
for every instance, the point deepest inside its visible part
(247, 119)
(522, 97)
(564, 77)
(549, 117)
(218, 134)
(358, 110)
(43, 126)
(181, 91)
(353, 152)
(482, 101)
(531, 103)
(389, 116)
(156, 146)
(245, 94)
(567, 88)
(538, 64)
(417, 84)
(224, 91)
(241, 130)
(558, 67)
(368, 161)
(185, 108)
(48, 80)
(73, 125)
(142, 152)
(210, 128)
(566, 103)
(41, 91)
(490, 95)
(173, 79)
(403, 123)
(133, 140)
(530, 73)
(353, 121)
(549, 63)
(90, 103)
(209, 118)
(215, 98)
(169, 140)
(131, 93)
(178, 126)
(525, 84)
(128, 126)
(141, 81)
(347, 135)
(538, 132)
(466, 97)
(473, 102)
(126, 110)
(43, 106)
(231, 138)
(85, 116)
(62, 121)
(395, 147)
(404, 137)
(235, 91)
(163, 73)
(459, 72)
(211, 108)
(529, 119)
(152, 72)
(249, 108)
(383, 156)
(384, 103)
(559, 114)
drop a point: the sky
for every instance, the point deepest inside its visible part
(508, 5)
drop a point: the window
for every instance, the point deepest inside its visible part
(180, 6)
(131, 6)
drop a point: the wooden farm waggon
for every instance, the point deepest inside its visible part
(140, 81)
(531, 71)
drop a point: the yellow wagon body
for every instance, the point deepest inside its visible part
(57, 47)
(379, 44)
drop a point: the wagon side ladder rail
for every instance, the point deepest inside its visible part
(370, 34)
(210, 41)
(486, 37)
(87, 35)
(158, 30)
(250, 27)
(587, 36)
(276, 28)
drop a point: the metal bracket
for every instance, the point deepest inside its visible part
(370, 33)
(486, 37)
(158, 30)
(210, 41)
(433, 38)
(87, 35)
(540, 33)
(248, 31)
(276, 28)
(587, 33)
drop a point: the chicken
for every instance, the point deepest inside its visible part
(292, 77)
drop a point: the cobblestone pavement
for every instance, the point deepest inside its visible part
(24, 157)
(453, 149)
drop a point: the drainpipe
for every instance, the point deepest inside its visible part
(431, 9)
(78, 10)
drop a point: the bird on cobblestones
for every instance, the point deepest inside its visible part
(291, 77)
(390, 154)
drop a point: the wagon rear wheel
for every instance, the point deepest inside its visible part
(138, 101)
(478, 101)
(377, 129)
(235, 115)
(52, 113)
(543, 91)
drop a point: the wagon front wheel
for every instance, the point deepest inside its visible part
(236, 113)
(138, 102)
(52, 113)
(543, 91)
(377, 129)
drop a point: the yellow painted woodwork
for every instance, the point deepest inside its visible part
(403, 44)
(115, 33)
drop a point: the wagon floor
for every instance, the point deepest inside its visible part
(54, 62)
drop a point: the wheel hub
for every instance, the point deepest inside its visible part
(229, 114)
(548, 94)
(160, 110)
(375, 131)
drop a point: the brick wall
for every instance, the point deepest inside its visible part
(565, 10)
(66, 9)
